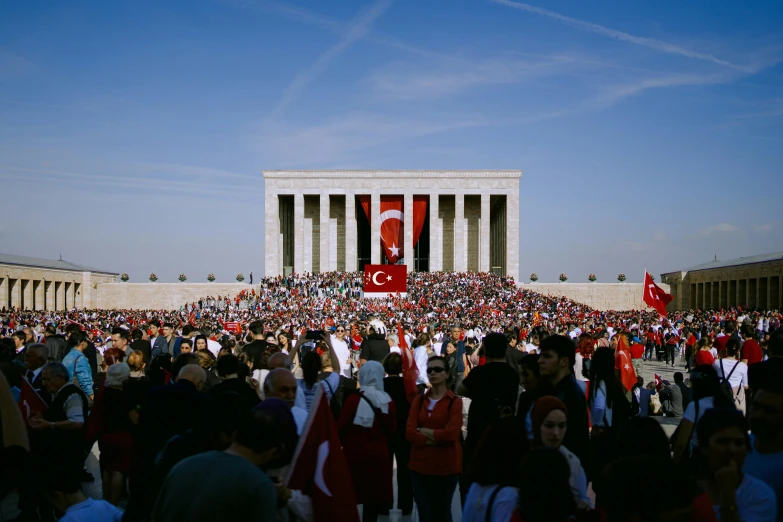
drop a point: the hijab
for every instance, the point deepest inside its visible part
(543, 407)
(371, 386)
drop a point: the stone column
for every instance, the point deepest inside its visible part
(436, 235)
(720, 295)
(768, 304)
(747, 292)
(484, 235)
(299, 243)
(758, 303)
(407, 243)
(350, 233)
(704, 296)
(87, 291)
(16, 292)
(779, 304)
(323, 209)
(27, 288)
(460, 234)
(49, 295)
(512, 234)
(59, 288)
(68, 295)
(272, 243)
(38, 292)
(375, 229)
(4, 293)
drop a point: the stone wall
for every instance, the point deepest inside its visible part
(601, 296)
(162, 296)
(36, 288)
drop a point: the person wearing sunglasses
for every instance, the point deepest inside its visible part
(434, 429)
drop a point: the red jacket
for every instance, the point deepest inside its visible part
(445, 456)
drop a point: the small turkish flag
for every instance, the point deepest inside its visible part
(654, 296)
(319, 469)
(385, 279)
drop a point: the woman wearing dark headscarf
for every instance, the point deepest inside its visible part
(367, 422)
(550, 417)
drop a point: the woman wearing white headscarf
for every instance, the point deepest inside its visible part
(367, 421)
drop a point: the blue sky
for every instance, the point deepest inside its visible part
(133, 133)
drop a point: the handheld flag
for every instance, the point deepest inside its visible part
(622, 362)
(319, 469)
(30, 403)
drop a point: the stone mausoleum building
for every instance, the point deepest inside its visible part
(41, 284)
(752, 282)
(321, 221)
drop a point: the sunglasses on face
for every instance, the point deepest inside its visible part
(436, 369)
(340, 330)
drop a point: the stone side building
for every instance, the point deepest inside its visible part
(30, 283)
(754, 282)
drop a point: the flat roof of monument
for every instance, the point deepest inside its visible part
(37, 262)
(393, 173)
(750, 260)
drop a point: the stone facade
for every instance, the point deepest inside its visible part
(42, 284)
(751, 282)
(601, 296)
(461, 234)
(163, 296)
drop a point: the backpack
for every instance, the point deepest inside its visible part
(725, 385)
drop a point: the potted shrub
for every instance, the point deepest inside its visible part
(533, 277)
(153, 277)
(621, 278)
(563, 278)
(592, 278)
(182, 278)
(240, 277)
(124, 277)
(211, 278)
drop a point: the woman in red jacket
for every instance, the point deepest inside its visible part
(367, 421)
(434, 429)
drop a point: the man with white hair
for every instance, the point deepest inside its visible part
(375, 347)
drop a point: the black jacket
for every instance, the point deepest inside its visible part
(375, 348)
(56, 345)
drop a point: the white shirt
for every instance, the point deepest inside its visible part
(300, 418)
(738, 378)
(578, 478)
(214, 347)
(343, 353)
(421, 358)
(531, 348)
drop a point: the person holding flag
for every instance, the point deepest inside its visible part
(609, 407)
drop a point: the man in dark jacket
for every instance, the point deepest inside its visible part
(454, 337)
(671, 400)
(55, 343)
(556, 362)
(679, 381)
(375, 347)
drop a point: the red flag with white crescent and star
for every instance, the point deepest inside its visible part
(385, 279)
(654, 296)
(392, 216)
(319, 468)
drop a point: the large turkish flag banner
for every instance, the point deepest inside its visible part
(385, 279)
(392, 216)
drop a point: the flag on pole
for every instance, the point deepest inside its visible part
(654, 296)
(319, 469)
(658, 382)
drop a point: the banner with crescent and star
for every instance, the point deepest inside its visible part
(384, 280)
(392, 216)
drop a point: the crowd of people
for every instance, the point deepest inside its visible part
(196, 412)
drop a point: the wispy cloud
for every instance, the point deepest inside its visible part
(721, 228)
(763, 229)
(305, 16)
(342, 139)
(356, 30)
(650, 43)
(451, 76)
